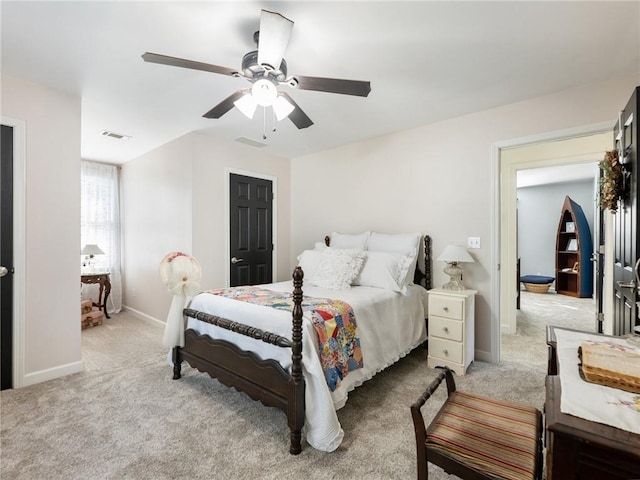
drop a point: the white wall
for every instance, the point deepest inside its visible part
(156, 219)
(438, 179)
(212, 160)
(52, 228)
(174, 198)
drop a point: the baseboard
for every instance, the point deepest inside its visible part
(52, 373)
(483, 356)
(143, 315)
(506, 330)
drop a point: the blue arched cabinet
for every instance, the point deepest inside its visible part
(574, 268)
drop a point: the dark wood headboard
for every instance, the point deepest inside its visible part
(424, 279)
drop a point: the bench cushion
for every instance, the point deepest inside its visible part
(493, 436)
(537, 279)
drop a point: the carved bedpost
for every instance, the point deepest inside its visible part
(296, 334)
(427, 262)
(177, 362)
(296, 407)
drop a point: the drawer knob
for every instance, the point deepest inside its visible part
(446, 309)
(445, 351)
(446, 329)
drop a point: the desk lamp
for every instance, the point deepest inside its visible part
(453, 255)
(89, 251)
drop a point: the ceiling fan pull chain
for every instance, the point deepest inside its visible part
(264, 123)
(273, 119)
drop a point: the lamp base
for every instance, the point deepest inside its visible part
(455, 277)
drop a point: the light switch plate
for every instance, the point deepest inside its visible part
(473, 242)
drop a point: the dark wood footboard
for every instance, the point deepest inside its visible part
(263, 380)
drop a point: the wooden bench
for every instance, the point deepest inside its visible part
(476, 437)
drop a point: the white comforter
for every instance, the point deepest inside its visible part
(389, 325)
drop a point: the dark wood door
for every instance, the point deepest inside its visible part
(251, 230)
(626, 222)
(6, 258)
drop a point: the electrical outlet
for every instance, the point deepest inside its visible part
(473, 242)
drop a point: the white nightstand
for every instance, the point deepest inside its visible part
(451, 328)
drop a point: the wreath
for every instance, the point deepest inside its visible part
(611, 182)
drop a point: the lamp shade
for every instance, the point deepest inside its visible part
(282, 108)
(455, 254)
(247, 105)
(264, 92)
(91, 249)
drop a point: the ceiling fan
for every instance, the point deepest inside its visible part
(266, 69)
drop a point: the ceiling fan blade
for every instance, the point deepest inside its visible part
(184, 63)
(334, 85)
(298, 117)
(275, 31)
(225, 105)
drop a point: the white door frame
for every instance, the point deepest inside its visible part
(504, 220)
(19, 246)
(274, 220)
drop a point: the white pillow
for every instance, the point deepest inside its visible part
(386, 270)
(405, 243)
(389, 242)
(332, 268)
(309, 261)
(356, 241)
(320, 246)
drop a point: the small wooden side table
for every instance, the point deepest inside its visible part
(451, 329)
(104, 281)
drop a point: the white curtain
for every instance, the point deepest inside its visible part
(100, 225)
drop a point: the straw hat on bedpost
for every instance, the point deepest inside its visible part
(181, 273)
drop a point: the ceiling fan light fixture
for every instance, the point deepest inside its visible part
(264, 92)
(282, 108)
(247, 105)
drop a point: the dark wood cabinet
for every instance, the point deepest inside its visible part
(581, 449)
(574, 269)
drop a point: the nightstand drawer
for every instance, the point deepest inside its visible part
(445, 328)
(445, 306)
(445, 349)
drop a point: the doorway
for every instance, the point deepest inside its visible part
(6, 258)
(582, 145)
(15, 319)
(251, 237)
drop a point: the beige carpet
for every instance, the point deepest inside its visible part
(124, 418)
(537, 311)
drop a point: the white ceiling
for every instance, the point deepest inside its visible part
(560, 174)
(427, 61)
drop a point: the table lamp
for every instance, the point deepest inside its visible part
(453, 255)
(89, 251)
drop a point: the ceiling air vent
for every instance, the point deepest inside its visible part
(248, 141)
(117, 136)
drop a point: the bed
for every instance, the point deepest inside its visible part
(273, 354)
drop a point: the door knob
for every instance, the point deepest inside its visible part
(626, 285)
(236, 260)
(3, 271)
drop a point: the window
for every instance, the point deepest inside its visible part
(100, 223)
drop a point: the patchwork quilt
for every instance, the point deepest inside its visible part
(333, 321)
